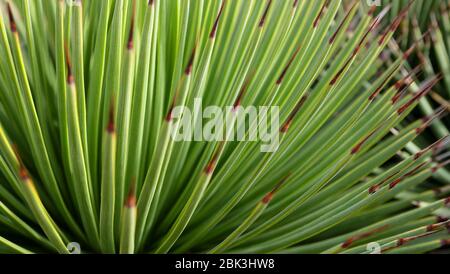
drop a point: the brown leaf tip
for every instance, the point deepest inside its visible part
(209, 169)
(23, 173)
(380, 88)
(131, 34)
(169, 116)
(395, 182)
(410, 173)
(428, 120)
(242, 92)
(216, 22)
(438, 145)
(269, 196)
(440, 165)
(190, 64)
(111, 123)
(333, 37)
(283, 73)
(373, 189)
(70, 79)
(361, 236)
(426, 88)
(403, 241)
(441, 223)
(316, 21)
(358, 147)
(408, 79)
(12, 22)
(447, 202)
(131, 197)
(130, 44)
(285, 127)
(266, 11)
(413, 47)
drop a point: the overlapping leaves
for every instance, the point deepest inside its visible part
(87, 89)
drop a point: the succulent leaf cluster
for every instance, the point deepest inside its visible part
(88, 93)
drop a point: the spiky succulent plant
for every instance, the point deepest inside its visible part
(88, 93)
(429, 26)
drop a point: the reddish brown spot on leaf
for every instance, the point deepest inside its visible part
(12, 22)
(216, 22)
(264, 16)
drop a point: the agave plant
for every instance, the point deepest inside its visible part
(89, 91)
(432, 35)
(419, 15)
